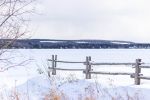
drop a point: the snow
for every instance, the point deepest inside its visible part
(50, 41)
(32, 85)
(81, 42)
(120, 42)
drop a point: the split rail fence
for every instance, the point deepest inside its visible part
(88, 70)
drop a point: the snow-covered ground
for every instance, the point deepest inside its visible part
(31, 85)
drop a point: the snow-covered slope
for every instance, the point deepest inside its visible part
(26, 81)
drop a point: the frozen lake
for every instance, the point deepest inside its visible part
(37, 59)
(101, 55)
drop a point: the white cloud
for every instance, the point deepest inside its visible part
(94, 19)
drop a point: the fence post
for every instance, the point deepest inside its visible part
(88, 67)
(55, 60)
(137, 72)
(49, 74)
(54, 64)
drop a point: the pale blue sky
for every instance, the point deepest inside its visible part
(93, 19)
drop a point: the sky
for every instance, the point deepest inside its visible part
(127, 20)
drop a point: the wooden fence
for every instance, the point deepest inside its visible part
(88, 70)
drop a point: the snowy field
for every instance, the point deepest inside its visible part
(31, 82)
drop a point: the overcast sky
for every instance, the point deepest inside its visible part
(93, 19)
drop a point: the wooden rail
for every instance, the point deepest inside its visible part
(67, 69)
(113, 64)
(66, 61)
(88, 70)
(142, 77)
(144, 66)
(111, 73)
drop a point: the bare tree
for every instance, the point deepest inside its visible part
(14, 17)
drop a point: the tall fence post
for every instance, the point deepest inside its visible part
(49, 74)
(137, 72)
(88, 68)
(54, 58)
(55, 63)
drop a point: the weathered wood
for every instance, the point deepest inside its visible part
(88, 68)
(133, 75)
(49, 71)
(110, 73)
(93, 63)
(87, 65)
(113, 64)
(144, 66)
(49, 75)
(143, 77)
(53, 65)
(67, 69)
(137, 72)
(67, 61)
(88, 71)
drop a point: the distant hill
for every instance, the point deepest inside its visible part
(70, 44)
